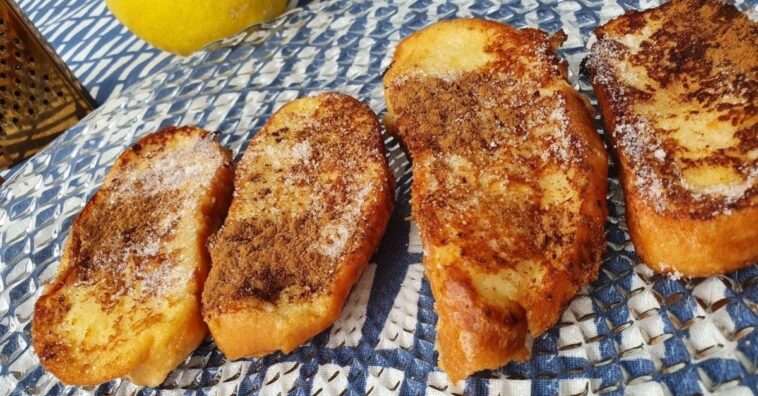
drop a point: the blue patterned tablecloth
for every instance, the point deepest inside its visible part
(101, 52)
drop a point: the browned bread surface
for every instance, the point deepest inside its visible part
(677, 86)
(509, 183)
(125, 301)
(313, 195)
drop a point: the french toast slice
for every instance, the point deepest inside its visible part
(125, 301)
(509, 183)
(313, 195)
(678, 86)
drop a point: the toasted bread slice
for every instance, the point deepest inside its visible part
(509, 183)
(126, 298)
(677, 86)
(313, 195)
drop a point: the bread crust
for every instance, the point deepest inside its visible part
(489, 299)
(679, 228)
(265, 302)
(125, 301)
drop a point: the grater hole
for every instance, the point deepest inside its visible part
(32, 72)
(47, 89)
(31, 59)
(45, 102)
(30, 111)
(32, 98)
(45, 77)
(59, 93)
(18, 54)
(2, 88)
(3, 75)
(16, 106)
(3, 48)
(32, 85)
(17, 93)
(14, 120)
(3, 61)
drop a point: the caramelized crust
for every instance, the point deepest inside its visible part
(312, 200)
(677, 87)
(126, 297)
(509, 182)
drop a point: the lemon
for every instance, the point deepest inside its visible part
(184, 26)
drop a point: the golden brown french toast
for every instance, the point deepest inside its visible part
(509, 183)
(125, 301)
(313, 195)
(678, 89)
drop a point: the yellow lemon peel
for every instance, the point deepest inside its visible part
(184, 26)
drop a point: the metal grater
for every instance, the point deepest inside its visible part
(39, 96)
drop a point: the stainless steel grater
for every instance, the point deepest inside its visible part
(39, 97)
